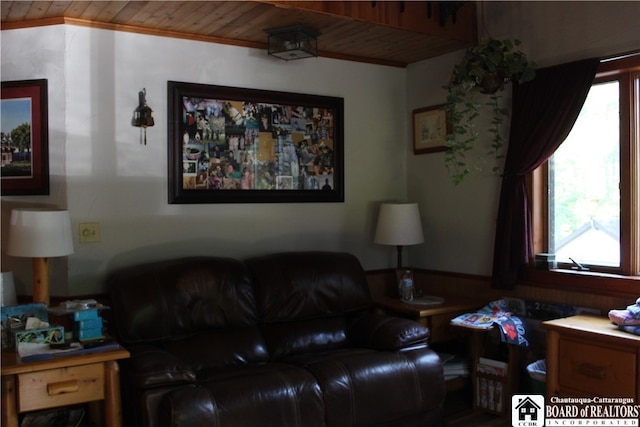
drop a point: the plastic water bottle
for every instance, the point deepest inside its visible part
(407, 286)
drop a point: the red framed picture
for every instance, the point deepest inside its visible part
(24, 133)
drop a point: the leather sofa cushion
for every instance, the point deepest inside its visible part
(308, 285)
(171, 299)
(150, 400)
(150, 367)
(287, 338)
(353, 381)
(364, 330)
(222, 347)
(265, 395)
(386, 333)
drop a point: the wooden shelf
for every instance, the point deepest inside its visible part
(456, 384)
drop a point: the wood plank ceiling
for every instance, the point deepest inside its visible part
(394, 33)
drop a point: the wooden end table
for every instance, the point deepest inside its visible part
(509, 381)
(435, 317)
(62, 381)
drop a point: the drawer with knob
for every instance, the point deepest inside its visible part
(601, 371)
(60, 387)
(588, 356)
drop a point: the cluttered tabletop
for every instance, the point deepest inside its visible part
(67, 335)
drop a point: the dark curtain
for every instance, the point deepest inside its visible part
(544, 111)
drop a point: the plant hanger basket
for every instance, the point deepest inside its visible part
(486, 68)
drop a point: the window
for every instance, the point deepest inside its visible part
(583, 180)
(586, 196)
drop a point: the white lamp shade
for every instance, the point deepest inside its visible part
(36, 233)
(399, 224)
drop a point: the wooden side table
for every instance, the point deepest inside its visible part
(435, 317)
(63, 381)
(509, 382)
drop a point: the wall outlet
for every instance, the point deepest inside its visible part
(89, 232)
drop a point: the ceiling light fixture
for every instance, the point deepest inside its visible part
(292, 42)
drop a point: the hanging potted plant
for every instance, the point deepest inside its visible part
(485, 68)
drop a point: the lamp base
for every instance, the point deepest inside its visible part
(41, 280)
(399, 261)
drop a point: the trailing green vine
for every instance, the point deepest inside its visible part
(485, 68)
(497, 122)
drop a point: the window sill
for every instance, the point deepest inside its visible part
(585, 281)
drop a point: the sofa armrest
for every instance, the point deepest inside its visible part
(151, 366)
(383, 332)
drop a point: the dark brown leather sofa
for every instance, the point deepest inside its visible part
(286, 339)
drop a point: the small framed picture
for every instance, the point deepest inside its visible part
(429, 129)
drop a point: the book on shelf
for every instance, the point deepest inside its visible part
(461, 368)
(489, 394)
(492, 367)
(489, 390)
(454, 366)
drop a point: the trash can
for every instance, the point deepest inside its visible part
(538, 373)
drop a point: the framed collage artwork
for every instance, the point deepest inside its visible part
(430, 129)
(25, 138)
(234, 145)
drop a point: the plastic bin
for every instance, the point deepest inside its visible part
(538, 373)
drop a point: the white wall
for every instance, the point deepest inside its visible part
(459, 221)
(102, 173)
(555, 32)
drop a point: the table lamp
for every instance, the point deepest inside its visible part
(399, 224)
(8, 289)
(40, 234)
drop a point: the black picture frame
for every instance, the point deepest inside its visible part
(25, 141)
(237, 145)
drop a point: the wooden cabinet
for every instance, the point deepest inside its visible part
(62, 381)
(589, 356)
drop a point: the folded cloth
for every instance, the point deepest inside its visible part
(623, 317)
(512, 329)
(631, 329)
(630, 316)
(634, 309)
